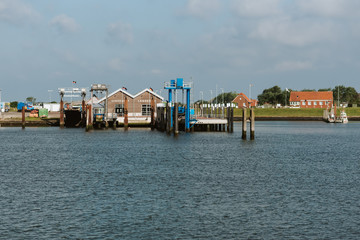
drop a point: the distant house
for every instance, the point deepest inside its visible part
(138, 105)
(244, 102)
(311, 99)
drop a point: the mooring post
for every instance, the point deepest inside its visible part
(244, 124)
(252, 124)
(23, 117)
(176, 119)
(126, 113)
(62, 123)
(228, 119)
(152, 107)
(83, 113)
(231, 119)
(167, 119)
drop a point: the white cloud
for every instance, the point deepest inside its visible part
(120, 32)
(202, 8)
(256, 8)
(15, 11)
(116, 64)
(293, 66)
(330, 8)
(64, 24)
(295, 33)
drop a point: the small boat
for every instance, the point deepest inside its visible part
(343, 118)
(331, 118)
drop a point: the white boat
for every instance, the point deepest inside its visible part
(343, 118)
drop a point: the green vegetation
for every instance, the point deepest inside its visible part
(274, 96)
(345, 94)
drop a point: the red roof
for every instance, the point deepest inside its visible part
(298, 96)
(244, 96)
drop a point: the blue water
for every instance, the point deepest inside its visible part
(297, 180)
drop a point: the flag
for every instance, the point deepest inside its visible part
(74, 82)
(124, 88)
(287, 90)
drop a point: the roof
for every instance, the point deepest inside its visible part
(298, 96)
(242, 95)
(132, 96)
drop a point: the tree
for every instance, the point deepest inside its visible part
(14, 104)
(345, 94)
(227, 97)
(308, 90)
(272, 95)
(31, 99)
(324, 90)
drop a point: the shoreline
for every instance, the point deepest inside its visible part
(43, 123)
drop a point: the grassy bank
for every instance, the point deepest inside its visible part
(292, 112)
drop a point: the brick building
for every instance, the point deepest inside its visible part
(138, 105)
(244, 102)
(311, 99)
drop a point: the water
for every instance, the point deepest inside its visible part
(297, 180)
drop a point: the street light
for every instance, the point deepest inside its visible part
(202, 104)
(251, 85)
(50, 91)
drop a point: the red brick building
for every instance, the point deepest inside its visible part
(311, 99)
(244, 102)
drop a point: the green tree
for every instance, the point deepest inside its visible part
(345, 94)
(324, 90)
(272, 95)
(308, 90)
(31, 99)
(14, 104)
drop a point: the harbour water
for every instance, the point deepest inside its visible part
(297, 180)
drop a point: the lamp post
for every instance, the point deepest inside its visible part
(250, 85)
(202, 104)
(50, 91)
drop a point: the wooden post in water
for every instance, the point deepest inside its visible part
(228, 118)
(83, 113)
(23, 117)
(244, 124)
(231, 119)
(126, 114)
(252, 124)
(176, 119)
(152, 107)
(168, 118)
(62, 123)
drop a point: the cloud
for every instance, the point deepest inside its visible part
(202, 8)
(330, 8)
(14, 11)
(256, 8)
(64, 24)
(293, 66)
(120, 32)
(299, 33)
(116, 64)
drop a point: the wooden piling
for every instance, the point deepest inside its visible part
(62, 122)
(176, 119)
(126, 114)
(231, 119)
(228, 119)
(83, 113)
(152, 105)
(23, 117)
(244, 124)
(168, 118)
(252, 124)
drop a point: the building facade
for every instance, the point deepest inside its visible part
(243, 101)
(311, 99)
(139, 105)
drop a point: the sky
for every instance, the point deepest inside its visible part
(219, 45)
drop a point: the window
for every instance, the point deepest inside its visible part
(303, 103)
(315, 103)
(119, 109)
(321, 103)
(309, 103)
(145, 110)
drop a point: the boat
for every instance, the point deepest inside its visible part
(343, 117)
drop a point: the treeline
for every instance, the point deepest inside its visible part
(276, 95)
